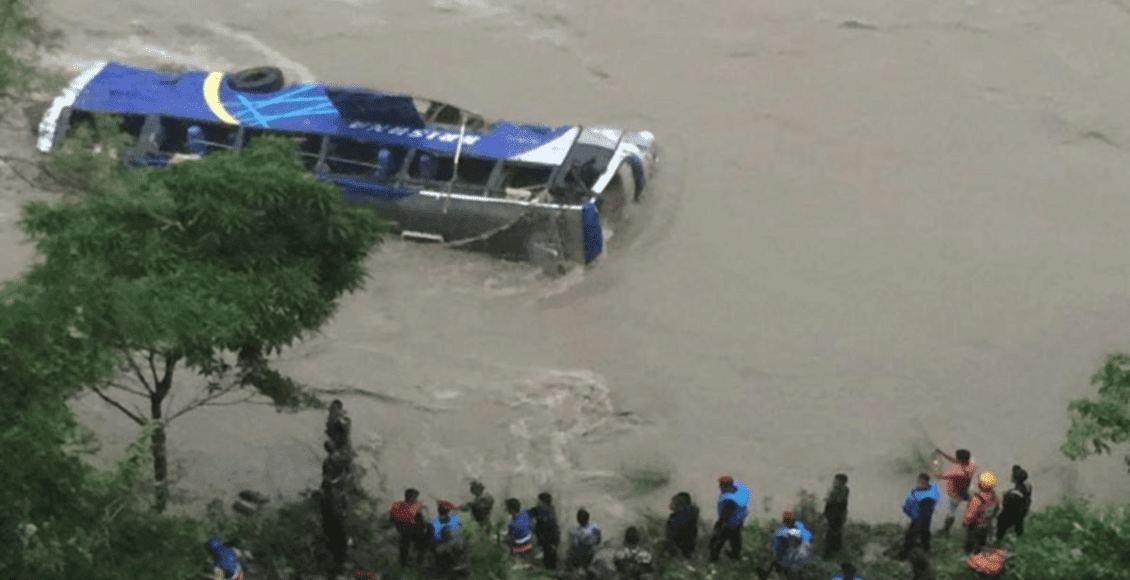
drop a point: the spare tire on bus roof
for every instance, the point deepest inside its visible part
(260, 79)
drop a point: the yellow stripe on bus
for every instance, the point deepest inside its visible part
(212, 97)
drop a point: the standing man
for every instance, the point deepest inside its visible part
(682, 525)
(958, 478)
(480, 505)
(546, 530)
(412, 525)
(835, 512)
(338, 425)
(790, 547)
(979, 513)
(585, 538)
(1016, 503)
(919, 507)
(733, 507)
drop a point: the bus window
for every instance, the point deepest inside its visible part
(428, 166)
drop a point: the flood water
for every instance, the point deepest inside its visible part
(879, 227)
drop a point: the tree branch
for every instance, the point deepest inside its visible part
(127, 389)
(208, 400)
(140, 375)
(136, 419)
(153, 370)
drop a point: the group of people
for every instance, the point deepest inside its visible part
(791, 544)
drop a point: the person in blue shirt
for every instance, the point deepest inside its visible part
(733, 507)
(520, 533)
(847, 572)
(791, 547)
(919, 507)
(226, 564)
(445, 519)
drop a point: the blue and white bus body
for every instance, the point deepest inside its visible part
(440, 172)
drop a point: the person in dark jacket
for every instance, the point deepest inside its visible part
(546, 530)
(919, 507)
(835, 512)
(1015, 504)
(682, 525)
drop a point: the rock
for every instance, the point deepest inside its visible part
(243, 508)
(254, 497)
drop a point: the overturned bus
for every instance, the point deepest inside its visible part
(439, 172)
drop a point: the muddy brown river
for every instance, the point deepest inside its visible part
(879, 227)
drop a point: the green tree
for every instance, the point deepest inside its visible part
(206, 265)
(21, 36)
(1096, 425)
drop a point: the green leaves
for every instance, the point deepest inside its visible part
(1096, 425)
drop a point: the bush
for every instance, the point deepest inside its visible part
(1074, 540)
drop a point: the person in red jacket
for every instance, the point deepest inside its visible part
(980, 512)
(412, 525)
(957, 478)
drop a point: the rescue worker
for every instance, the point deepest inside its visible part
(979, 513)
(546, 530)
(584, 540)
(919, 507)
(452, 557)
(847, 572)
(1015, 504)
(958, 478)
(412, 524)
(520, 533)
(480, 506)
(682, 525)
(633, 562)
(226, 564)
(791, 547)
(445, 520)
(733, 507)
(835, 513)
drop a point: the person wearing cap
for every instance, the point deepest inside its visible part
(1015, 504)
(919, 507)
(520, 533)
(957, 479)
(225, 564)
(412, 525)
(682, 525)
(480, 506)
(980, 512)
(546, 529)
(791, 547)
(733, 507)
(445, 520)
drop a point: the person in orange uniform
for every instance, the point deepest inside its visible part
(980, 512)
(412, 525)
(957, 478)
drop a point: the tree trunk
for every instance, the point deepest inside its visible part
(160, 454)
(160, 470)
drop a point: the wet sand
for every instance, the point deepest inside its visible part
(878, 228)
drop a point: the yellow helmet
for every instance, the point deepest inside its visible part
(987, 479)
